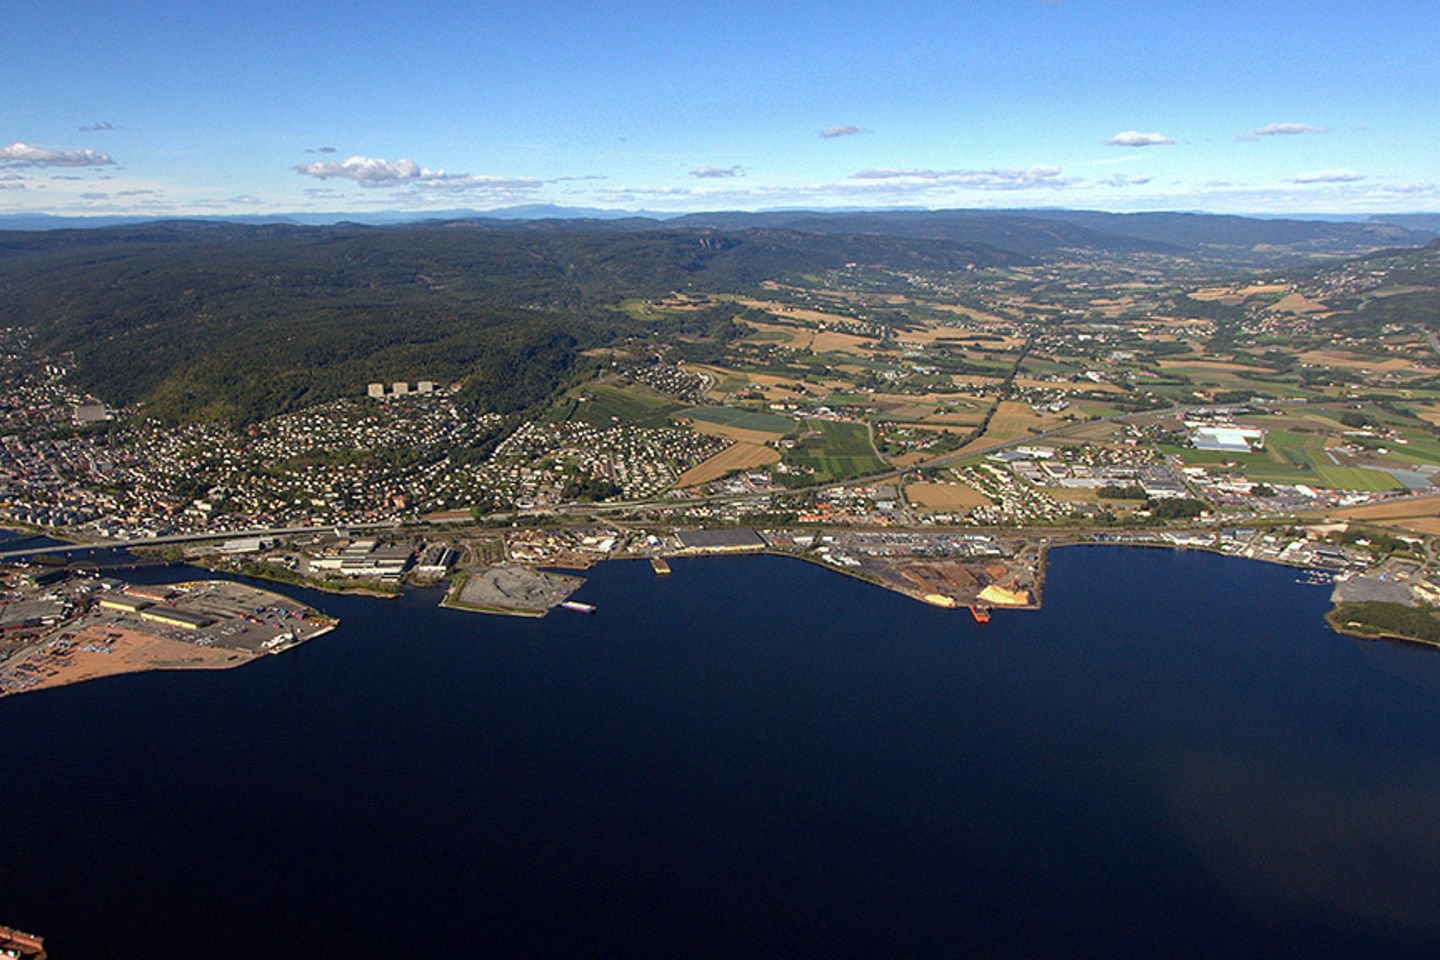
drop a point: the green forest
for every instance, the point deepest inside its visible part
(231, 322)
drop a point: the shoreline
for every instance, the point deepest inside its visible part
(204, 624)
(301, 582)
(1356, 629)
(1358, 634)
(1042, 545)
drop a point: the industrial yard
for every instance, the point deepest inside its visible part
(99, 628)
(513, 589)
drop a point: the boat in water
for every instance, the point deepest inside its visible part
(981, 614)
(578, 607)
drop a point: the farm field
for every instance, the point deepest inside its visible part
(1395, 510)
(774, 388)
(1012, 421)
(830, 341)
(1417, 515)
(837, 450)
(726, 380)
(1354, 361)
(750, 420)
(602, 404)
(1296, 303)
(1086, 386)
(797, 338)
(1355, 478)
(944, 497)
(1426, 525)
(957, 409)
(1430, 413)
(738, 434)
(1295, 458)
(739, 456)
(979, 316)
(795, 313)
(1208, 368)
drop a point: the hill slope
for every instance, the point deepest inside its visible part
(240, 322)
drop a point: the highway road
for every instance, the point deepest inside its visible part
(189, 538)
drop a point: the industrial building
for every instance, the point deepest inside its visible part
(1228, 439)
(124, 604)
(367, 558)
(735, 539)
(175, 617)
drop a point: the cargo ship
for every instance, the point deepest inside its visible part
(578, 607)
(21, 945)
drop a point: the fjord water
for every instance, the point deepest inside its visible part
(752, 757)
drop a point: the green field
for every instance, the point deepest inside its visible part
(1291, 457)
(1355, 478)
(1420, 446)
(848, 400)
(742, 419)
(838, 451)
(602, 405)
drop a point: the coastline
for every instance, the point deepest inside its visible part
(201, 624)
(1349, 629)
(1041, 546)
(303, 582)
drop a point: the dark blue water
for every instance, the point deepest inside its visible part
(753, 757)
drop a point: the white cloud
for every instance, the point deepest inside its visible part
(454, 183)
(25, 155)
(369, 171)
(1288, 129)
(712, 173)
(1017, 179)
(1134, 138)
(1327, 176)
(646, 192)
(1120, 180)
(1406, 189)
(830, 133)
(375, 172)
(100, 127)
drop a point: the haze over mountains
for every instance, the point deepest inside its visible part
(1019, 230)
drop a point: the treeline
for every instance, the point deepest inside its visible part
(1376, 618)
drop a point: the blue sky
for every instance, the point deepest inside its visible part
(195, 108)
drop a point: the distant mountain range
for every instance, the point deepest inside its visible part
(1026, 232)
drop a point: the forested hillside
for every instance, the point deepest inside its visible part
(241, 322)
